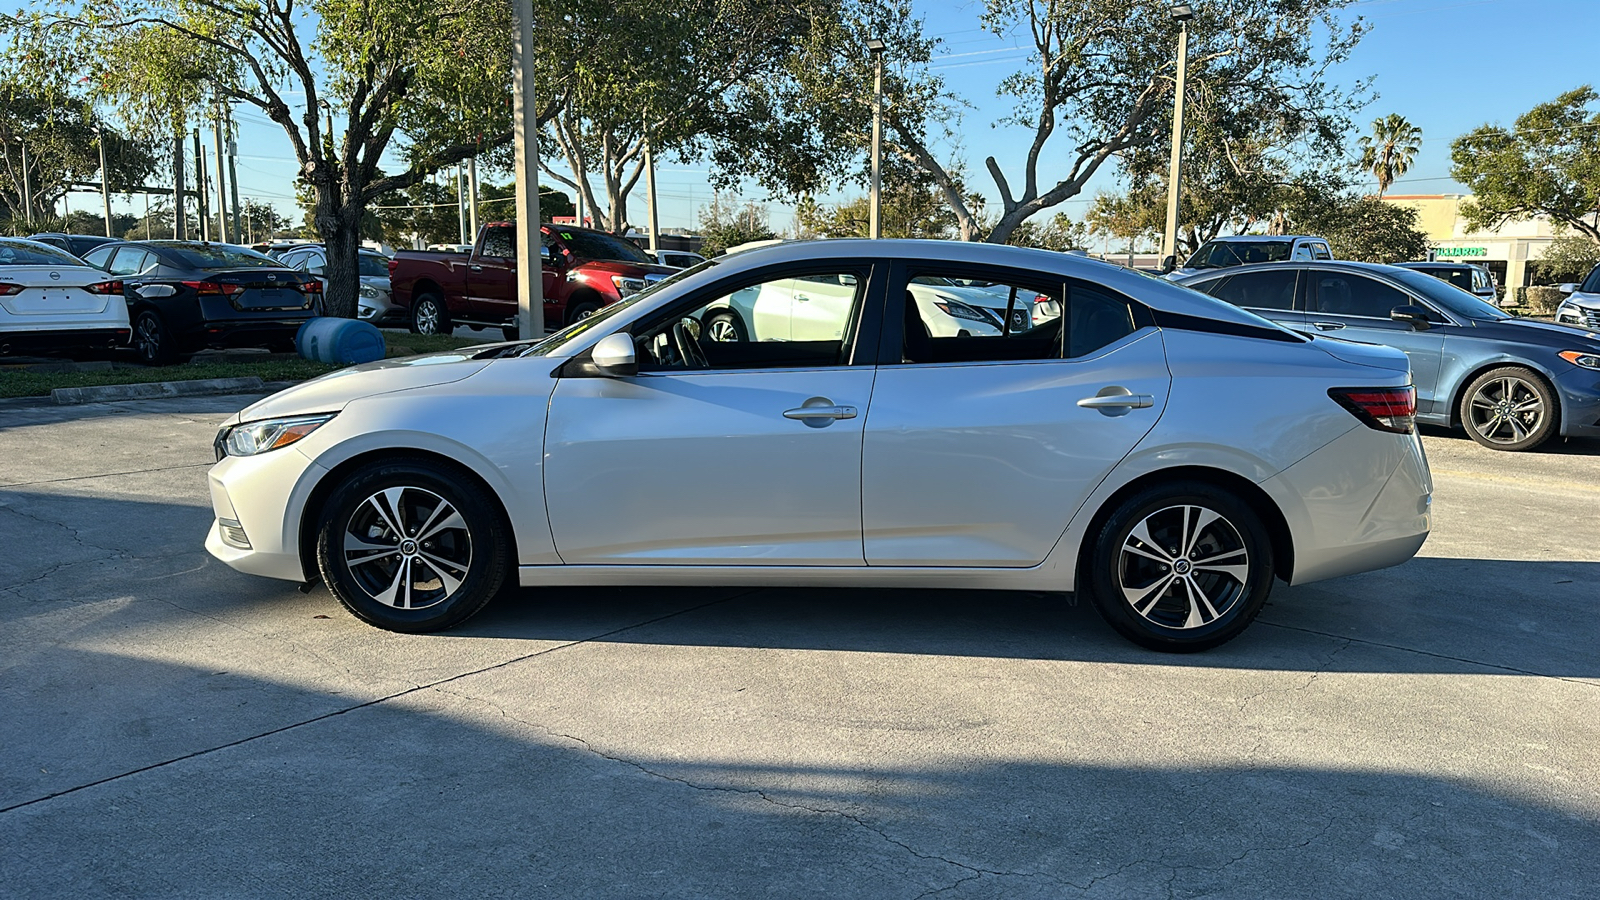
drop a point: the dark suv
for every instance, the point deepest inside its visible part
(1475, 280)
(185, 296)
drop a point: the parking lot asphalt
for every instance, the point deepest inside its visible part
(174, 729)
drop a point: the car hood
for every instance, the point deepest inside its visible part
(1533, 331)
(331, 392)
(1375, 355)
(1587, 301)
(627, 269)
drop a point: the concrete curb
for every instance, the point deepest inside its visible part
(155, 390)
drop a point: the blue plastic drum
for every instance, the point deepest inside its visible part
(344, 342)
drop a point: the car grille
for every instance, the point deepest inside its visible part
(1578, 315)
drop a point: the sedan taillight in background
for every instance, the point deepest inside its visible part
(7, 290)
(311, 287)
(1385, 409)
(104, 287)
(213, 288)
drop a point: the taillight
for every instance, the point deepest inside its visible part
(213, 288)
(7, 290)
(104, 287)
(393, 264)
(311, 287)
(1385, 409)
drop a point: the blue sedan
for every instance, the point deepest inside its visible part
(1512, 383)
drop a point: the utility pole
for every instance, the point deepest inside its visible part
(461, 204)
(1183, 13)
(472, 193)
(875, 207)
(650, 192)
(530, 273)
(180, 219)
(147, 234)
(201, 204)
(233, 176)
(222, 199)
(27, 187)
(105, 179)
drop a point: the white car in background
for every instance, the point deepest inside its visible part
(1581, 305)
(51, 301)
(796, 309)
(677, 259)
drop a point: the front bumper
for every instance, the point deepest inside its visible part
(258, 502)
(1580, 401)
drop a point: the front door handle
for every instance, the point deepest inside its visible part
(1117, 400)
(475, 267)
(1328, 326)
(819, 412)
(802, 298)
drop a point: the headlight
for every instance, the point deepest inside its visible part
(961, 310)
(268, 434)
(1586, 358)
(370, 292)
(626, 285)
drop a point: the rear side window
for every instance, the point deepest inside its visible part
(1341, 294)
(1258, 290)
(129, 261)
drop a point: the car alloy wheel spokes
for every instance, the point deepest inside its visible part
(408, 548)
(1183, 567)
(149, 339)
(1506, 410)
(722, 331)
(427, 318)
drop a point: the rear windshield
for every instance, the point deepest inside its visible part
(32, 253)
(219, 256)
(1221, 254)
(589, 245)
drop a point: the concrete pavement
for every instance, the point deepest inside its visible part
(172, 728)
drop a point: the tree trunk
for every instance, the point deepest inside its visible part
(339, 224)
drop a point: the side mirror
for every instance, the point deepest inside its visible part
(1567, 288)
(615, 356)
(1169, 264)
(317, 270)
(1415, 316)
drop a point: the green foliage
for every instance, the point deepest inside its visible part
(726, 222)
(1060, 234)
(1388, 151)
(1547, 164)
(499, 201)
(59, 129)
(912, 207)
(1568, 259)
(1364, 229)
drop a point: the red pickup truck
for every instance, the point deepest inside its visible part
(584, 270)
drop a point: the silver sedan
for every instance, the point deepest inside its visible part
(1155, 449)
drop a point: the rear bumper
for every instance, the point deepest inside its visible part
(43, 340)
(249, 333)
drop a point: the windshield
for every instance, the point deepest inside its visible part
(548, 345)
(374, 264)
(32, 253)
(1447, 295)
(592, 245)
(218, 256)
(1220, 254)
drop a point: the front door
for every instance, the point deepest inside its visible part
(1356, 308)
(491, 276)
(979, 449)
(734, 452)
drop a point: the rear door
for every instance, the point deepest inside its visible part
(979, 449)
(1355, 307)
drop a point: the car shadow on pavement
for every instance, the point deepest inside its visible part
(481, 788)
(1556, 446)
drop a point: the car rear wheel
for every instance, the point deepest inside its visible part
(582, 311)
(1509, 408)
(724, 327)
(412, 546)
(429, 316)
(1180, 567)
(152, 340)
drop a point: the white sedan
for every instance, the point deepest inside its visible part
(1155, 449)
(51, 301)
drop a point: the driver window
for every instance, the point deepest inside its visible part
(795, 322)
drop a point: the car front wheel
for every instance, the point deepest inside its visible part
(1180, 567)
(1508, 408)
(412, 546)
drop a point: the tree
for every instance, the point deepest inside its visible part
(436, 74)
(1548, 164)
(1060, 234)
(500, 201)
(1388, 151)
(62, 134)
(1568, 258)
(728, 223)
(1364, 229)
(912, 207)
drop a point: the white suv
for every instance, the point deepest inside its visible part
(51, 301)
(1582, 304)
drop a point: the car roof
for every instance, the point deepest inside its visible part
(1264, 237)
(1346, 265)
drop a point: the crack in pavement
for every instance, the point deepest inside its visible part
(363, 705)
(1175, 870)
(17, 484)
(976, 871)
(1319, 670)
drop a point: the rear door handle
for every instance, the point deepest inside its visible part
(1328, 326)
(1117, 400)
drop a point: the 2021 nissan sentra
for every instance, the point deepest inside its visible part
(1511, 383)
(1154, 448)
(51, 301)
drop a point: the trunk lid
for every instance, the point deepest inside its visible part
(265, 288)
(55, 290)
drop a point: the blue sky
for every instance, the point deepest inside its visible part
(1447, 65)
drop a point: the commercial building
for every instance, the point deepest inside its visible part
(1505, 252)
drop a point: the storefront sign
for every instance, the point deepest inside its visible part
(1443, 252)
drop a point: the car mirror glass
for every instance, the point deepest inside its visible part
(614, 355)
(1415, 316)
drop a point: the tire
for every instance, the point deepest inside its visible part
(724, 327)
(425, 585)
(429, 315)
(582, 311)
(153, 342)
(1509, 408)
(1138, 584)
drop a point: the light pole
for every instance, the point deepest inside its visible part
(105, 179)
(1182, 13)
(875, 204)
(530, 280)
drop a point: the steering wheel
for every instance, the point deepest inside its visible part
(688, 348)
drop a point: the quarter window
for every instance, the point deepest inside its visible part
(1340, 294)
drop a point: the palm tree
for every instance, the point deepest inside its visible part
(1387, 153)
